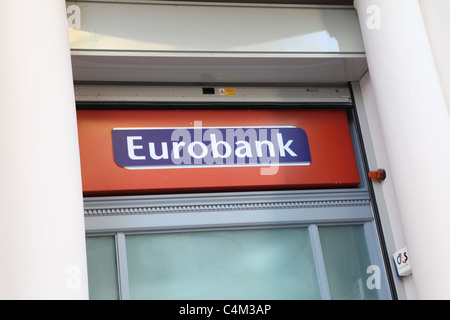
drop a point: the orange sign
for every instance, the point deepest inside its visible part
(155, 151)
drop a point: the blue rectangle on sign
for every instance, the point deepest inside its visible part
(153, 148)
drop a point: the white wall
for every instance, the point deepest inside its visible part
(436, 16)
(42, 241)
(385, 195)
(415, 125)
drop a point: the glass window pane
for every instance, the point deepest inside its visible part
(102, 270)
(243, 264)
(347, 259)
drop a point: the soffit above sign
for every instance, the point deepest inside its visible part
(90, 95)
(216, 43)
(311, 2)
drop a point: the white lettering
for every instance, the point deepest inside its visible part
(269, 144)
(196, 310)
(214, 146)
(176, 149)
(284, 147)
(210, 147)
(243, 137)
(246, 309)
(202, 145)
(131, 147)
(164, 154)
(246, 146)
(184, 137)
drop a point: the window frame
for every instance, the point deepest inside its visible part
(120, 216)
